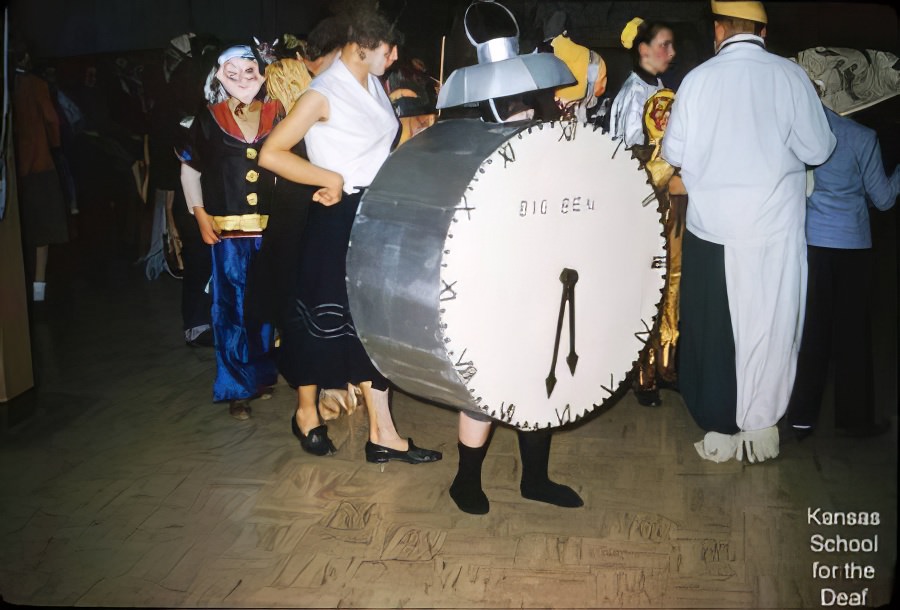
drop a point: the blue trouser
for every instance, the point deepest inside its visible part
(243, 360)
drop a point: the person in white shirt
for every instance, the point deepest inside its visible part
(743, 129)
(348, 125)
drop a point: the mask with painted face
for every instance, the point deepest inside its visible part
(239, 74)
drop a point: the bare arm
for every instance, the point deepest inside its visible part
(193, 195)
(277, 157)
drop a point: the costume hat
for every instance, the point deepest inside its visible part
(752, 11)
(500, 70)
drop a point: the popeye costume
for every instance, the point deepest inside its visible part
(236, 192)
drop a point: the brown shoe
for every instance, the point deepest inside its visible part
(239, 409)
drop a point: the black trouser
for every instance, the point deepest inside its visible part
(836, 328)
(707, 377)
(197, 258)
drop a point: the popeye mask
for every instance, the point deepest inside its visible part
(239, 73)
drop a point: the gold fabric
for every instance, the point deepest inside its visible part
(668, 325)
(660, 172)
(657, 359)
(246, 222)
(334, 402)
(286, 80)
(412, 125)
(577, 58)
(753, 11)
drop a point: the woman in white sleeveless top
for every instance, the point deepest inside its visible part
(348, 125)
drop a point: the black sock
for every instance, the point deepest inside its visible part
(466, 488)
(534, 449)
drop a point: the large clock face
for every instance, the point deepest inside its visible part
(548, 275)
(516, 273)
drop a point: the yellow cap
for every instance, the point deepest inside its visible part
(630, 32)
(752, 11)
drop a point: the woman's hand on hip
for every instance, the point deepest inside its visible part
(330, 194)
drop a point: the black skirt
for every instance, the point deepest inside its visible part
(319, 344)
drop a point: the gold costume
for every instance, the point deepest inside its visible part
(657, 359)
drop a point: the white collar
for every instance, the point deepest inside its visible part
(751, 38)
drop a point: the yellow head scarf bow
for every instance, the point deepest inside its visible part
(630, 32)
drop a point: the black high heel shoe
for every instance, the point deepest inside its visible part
(316, 442)
(379, 454)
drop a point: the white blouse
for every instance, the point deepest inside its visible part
(356, 139)
(627, 113)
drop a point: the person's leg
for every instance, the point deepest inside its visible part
(40, 272)
(307, 415)
(707, 377)
(466, 489)
(385, 444)
(197, 258)
(243, 364)
(534, 449)
(854, 404)
(306, 424)
(381, 424)
(815, 346)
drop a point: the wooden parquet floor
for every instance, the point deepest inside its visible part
(126, 486)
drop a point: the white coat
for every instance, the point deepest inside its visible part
(744, 126)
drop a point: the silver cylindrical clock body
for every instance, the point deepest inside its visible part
(471, 250)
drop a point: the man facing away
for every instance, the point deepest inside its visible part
(744, 126)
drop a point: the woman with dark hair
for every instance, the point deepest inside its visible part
(653, 49)
(348, 125)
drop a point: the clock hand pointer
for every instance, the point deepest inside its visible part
(551, 378)
(572, 358)
(568, 277)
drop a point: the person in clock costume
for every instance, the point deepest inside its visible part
(227, 193)
(743, 277)
(348, 125)
(529, 102)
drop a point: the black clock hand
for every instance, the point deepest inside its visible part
(572, 358)
(568, 277)
(551, 378)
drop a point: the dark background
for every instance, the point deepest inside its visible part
(76, 33)
(58, 28)
(71, 28)
(75, 30)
